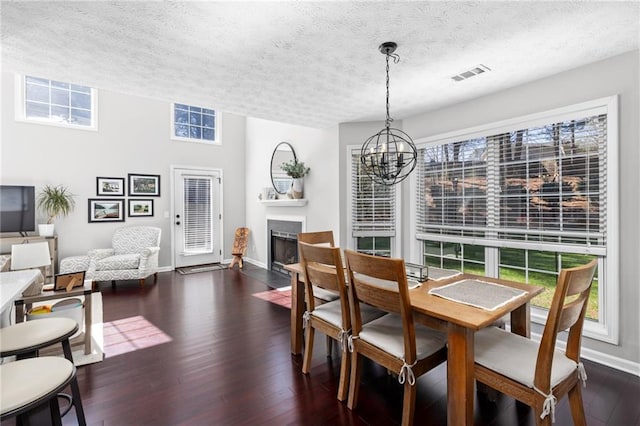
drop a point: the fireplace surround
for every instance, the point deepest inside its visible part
(282, 242)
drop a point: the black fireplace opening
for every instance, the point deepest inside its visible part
(284, 250)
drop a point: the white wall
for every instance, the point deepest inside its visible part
(133, 136)
(317, 148)
(617, 75)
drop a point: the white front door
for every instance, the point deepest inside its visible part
(197, 224)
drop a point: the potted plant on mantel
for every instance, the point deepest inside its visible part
(54, 201)
(297, 171)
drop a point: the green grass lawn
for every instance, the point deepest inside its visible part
(548, 281)
(543, 266)
(543, 269)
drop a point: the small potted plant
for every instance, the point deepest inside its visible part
(297, 171)
(54, 201)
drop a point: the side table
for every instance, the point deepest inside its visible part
(23, 304)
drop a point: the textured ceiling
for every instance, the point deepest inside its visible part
(310, 63)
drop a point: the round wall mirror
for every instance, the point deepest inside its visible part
(283, 153)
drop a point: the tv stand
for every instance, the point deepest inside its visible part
(50, 271)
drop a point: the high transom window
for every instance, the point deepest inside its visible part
(195, 124)
(57, 102)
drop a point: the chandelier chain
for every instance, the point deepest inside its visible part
(396, 59)
(389, 120)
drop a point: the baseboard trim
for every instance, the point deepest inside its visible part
(262, 265)
(611, 361)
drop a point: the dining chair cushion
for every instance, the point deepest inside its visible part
(34, 334)
(515, 356)
(331, 312)
(28, 380)
(386, 333)
(326, 295)
(119, 261)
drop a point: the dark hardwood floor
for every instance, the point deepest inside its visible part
(202, 350)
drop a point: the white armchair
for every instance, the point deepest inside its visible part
(134, 255)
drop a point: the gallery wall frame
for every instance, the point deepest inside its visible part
(106, 210)
(138, 207)
(143, 185)
(109, 186)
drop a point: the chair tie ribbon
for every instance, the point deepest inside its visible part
(406, 373)
(582, 374)
(350, 342)
(306, 317)
(343, 338)
(549, 405)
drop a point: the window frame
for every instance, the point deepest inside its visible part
(217, 126)
(21, 106)
(607, 327)
(396, 245)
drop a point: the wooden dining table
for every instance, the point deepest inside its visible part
(460, 321)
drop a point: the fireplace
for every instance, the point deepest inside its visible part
(282, 241)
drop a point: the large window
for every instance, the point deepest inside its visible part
(525, 198)
(56, 102)
(373, 211)
(196, 124)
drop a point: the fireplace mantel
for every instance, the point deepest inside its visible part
(285, 202)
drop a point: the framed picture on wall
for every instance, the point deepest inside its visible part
(109, 186)
(106, 210)
(144, 185)
(140, 207)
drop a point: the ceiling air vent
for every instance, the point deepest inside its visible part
(478, 69)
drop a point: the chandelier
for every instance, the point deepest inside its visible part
(390, 155)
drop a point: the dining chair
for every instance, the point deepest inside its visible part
(322, 268)
(318, 238)
(393, 341)
(32, 256)
(321, 238)
(538, 374)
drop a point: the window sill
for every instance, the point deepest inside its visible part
(285, 202)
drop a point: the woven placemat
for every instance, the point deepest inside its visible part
(481, 294)
(438, 274)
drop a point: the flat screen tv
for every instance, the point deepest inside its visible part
(17, 209)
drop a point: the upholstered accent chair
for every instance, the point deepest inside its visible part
(133, 255)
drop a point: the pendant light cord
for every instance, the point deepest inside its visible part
(396, 59)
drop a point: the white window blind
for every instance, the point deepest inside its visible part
(373, 205)
(198, 224)
(543, 184)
